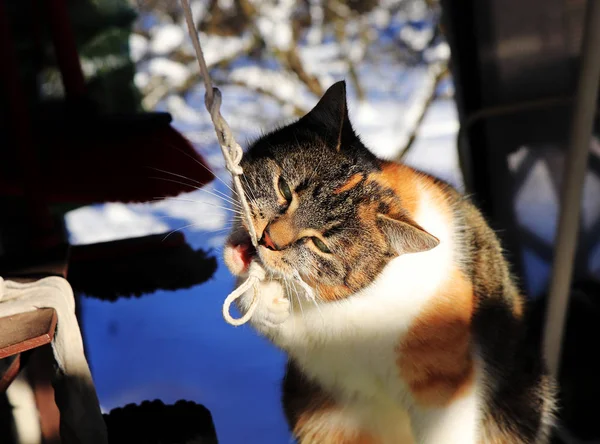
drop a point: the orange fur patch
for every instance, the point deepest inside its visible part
(351, 183)
(434, 357)
(517, 308)
(332, 292)
(402, 180)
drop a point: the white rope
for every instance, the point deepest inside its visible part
(255, 274)
(232, 152)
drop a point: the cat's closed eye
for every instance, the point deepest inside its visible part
(320, 245)
(284, 189)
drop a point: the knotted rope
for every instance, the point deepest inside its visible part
(232, 152)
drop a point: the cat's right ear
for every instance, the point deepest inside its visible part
(329, 117)
(406, 236)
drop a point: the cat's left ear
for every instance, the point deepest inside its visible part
(405, 235)
(329, 117)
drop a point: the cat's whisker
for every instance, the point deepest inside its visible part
(220, 194)
(307, 289)
(203, 166)
(197, 189)
(219, 230)
(288, 289)
(293, 312)
(252, 198)
(249, 187)
(291, 299)
(311, 297)
(289, 284)
(198, 183)
(229, 226)
(176, 230)
(222, 197)
(299, 301)
(231, 198)
(201, 202)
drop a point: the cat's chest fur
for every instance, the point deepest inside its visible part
(352, 346)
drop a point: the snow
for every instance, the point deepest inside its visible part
(138, 46)
(174, 73)
(181, 110)
(226, 4)
(317, 14)
(439, 52)
(110, 222)
(198, 8)
(529, 206)
(274, 22)
(141, 79)
(536, 205)
(381, 17)
(280, 84)
(417, 37)
(166, 38)
(218, 48)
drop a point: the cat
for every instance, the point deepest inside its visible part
(412, 329)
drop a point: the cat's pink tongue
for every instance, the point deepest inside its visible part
(244, 253)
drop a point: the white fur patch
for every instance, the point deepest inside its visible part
(350, 346)
(454, 424)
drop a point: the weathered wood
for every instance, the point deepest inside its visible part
(25, 331)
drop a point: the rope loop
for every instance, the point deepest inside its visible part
(255, 274)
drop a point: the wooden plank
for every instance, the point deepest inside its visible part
(25, 331)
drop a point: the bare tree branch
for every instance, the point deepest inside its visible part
(434, 76)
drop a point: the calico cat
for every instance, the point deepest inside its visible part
(413, 328)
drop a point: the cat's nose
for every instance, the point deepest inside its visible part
(279, 234)
(267, 241)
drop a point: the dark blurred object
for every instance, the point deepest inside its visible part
(135, 266)
(515, 66)
(68, 151)
(579, 388)
(91, 158)
(61, 149)
(153, 422)
(52, 36)
(27, 336)
(526, 87)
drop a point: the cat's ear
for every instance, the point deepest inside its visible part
(406, 236)
(330, 119)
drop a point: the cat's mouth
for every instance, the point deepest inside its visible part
(247, 253)
(239, 254)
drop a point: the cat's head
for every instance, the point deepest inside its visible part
(322, 206)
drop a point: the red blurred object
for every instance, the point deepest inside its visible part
(112, 158)
(68, 153)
